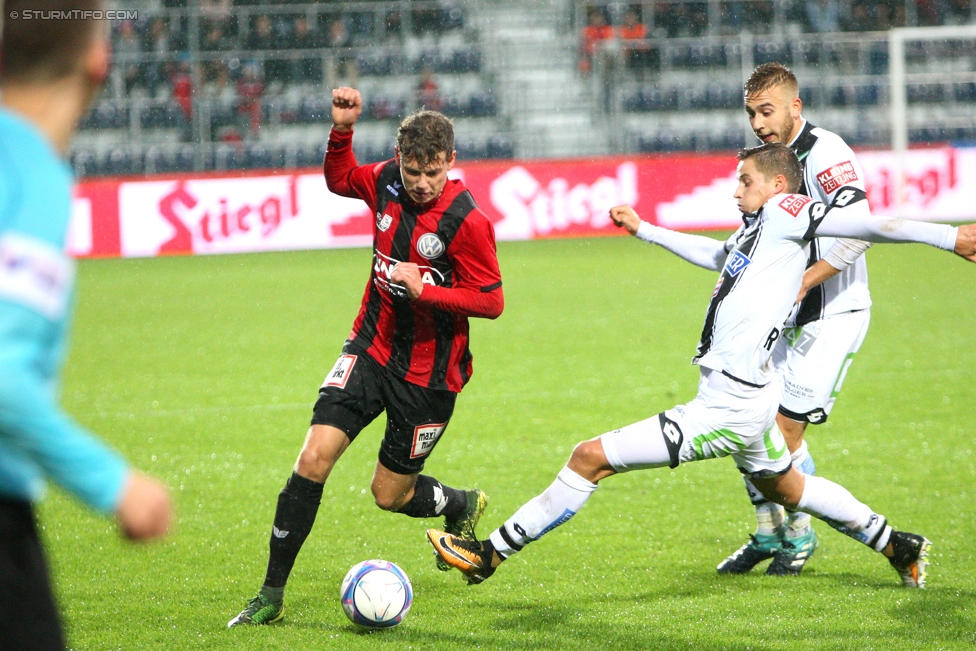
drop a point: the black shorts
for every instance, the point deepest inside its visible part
(30, 620)
(358, 389)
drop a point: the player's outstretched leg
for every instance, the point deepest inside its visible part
(463, 526)
(834, 504)
(298, 503)
(555, 506)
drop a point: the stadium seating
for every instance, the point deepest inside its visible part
(261, 81)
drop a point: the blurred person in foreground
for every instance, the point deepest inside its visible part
(434, 266)
(51, 70)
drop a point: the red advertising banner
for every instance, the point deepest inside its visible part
(182, 215)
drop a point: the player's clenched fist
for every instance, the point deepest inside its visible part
(626, 217)
(966, 242)
(347, 104)
(407, 275)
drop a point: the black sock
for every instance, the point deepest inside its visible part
(298, 503)
(432, 498)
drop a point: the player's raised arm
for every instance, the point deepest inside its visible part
(850, 217)
(696, 249)
(347, 105)
(343, 174)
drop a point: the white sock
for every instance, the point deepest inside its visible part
(835, 505)
(554, 506)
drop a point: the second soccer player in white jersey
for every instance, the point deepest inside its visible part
(826, 329)
(734, 413)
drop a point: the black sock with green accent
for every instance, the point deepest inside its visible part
(274, 595)
(298, 503)
(432, 498)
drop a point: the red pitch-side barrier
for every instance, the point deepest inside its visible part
(232, 213)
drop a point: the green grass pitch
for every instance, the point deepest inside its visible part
(203, 371)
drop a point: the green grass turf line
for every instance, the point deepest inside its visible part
(203, 371)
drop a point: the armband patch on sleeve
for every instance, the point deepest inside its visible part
(834, 177)
(35, 274)
(847, 196)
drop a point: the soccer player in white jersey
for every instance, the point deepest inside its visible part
(828, 326)
(734, 413)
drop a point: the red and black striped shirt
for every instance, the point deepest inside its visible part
(424, 341)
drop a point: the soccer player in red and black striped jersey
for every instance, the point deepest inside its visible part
(434, 265)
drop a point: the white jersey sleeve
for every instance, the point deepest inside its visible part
(829, 164)
(849, 216)
(697, 249)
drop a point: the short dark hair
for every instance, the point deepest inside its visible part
(768, 75)
(41, 51)
(774, 158)
(423, 135)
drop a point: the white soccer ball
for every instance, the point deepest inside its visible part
(376, 594)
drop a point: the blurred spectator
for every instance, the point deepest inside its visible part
(759, 16)
(158, 41)
(426, 20)
(860, 19)
(338, 35)
(157, 36)
(394, 24)
(823, 15)
(263, 39)
(882, 17)
(960, 12)
(428, 92)
(384, 108)
(929, 12)
(215, 11)
(221, 88)
(633, 33)
(250, 90)
(215, 39)
(683, 19)
(127, 49)
(592, 36)
(262, 36)
(733, 17)
(302, 37)
(182, 82)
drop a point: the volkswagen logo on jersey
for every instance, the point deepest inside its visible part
(430, 246)
(736, 262)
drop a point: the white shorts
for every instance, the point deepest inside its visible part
(726, 418)
(812, 361)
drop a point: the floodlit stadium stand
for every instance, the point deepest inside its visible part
(215, 85)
